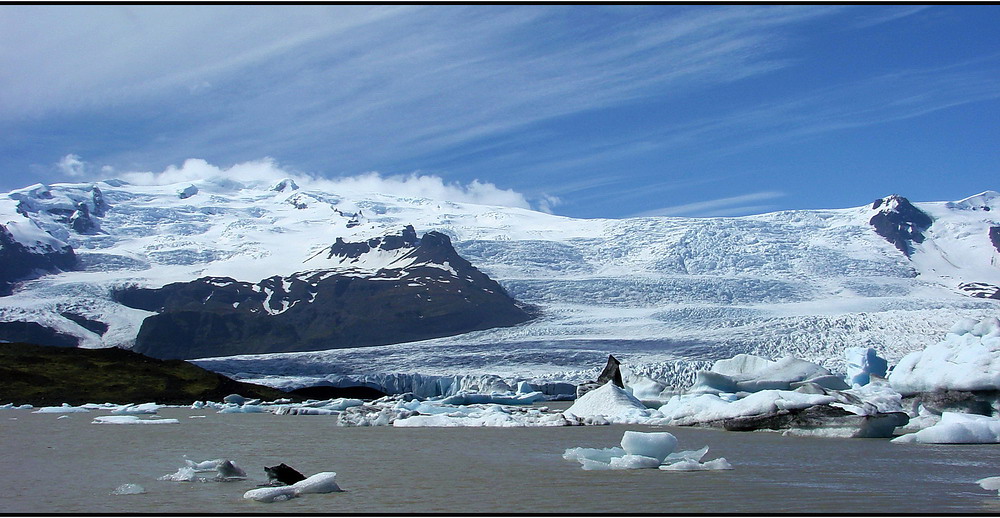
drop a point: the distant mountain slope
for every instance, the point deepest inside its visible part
(420, 288)
(44, 375)
(655, 292)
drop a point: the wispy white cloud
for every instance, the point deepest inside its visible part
(71, 166)
(267, 171)
(732, 205)
(877, 15)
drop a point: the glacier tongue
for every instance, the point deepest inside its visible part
(667, 296)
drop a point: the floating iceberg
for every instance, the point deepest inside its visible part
(612, 403)
(64, 409)
(129, 489)
(644, 450)
(324, 482)
(955, 428)
(748, 373)
(130, 419)
(144, 408)
(706, 408)
(990, 483)
(967, 359)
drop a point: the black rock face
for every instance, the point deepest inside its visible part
(18, 262)
(899, 222)
(981, 290)
(995, 237)
(33, 332)
(324, 309)
(94, 326)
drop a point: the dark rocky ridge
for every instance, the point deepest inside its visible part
(899, 222)
(18, 262)
(41, 375)
(33, 332)
(325, 309)
(995, 237)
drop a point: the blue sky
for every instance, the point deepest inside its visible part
(586, 111)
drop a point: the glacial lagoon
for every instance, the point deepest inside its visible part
(68, 465)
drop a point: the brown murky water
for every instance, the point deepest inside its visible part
(52, 465)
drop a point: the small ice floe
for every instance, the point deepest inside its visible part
(63, 417)
(65, 408)
(196, 417)
(225, 470)
(990, 483)
(130, 409)
(129, 489)
(645, 450)
(185, 474)
(130, 419)
(12, 406)
(324, 482)
(956, 428)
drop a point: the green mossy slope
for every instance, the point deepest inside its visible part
(44, 375)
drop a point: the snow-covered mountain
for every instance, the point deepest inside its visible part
(662, 294)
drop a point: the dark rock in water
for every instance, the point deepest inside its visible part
(228, 471)
(980, 402)
(899, 222)
(94, 326)
(328, 392)
(611, 373)
(283, 474)
(19, 262)
(819, 417)
(35, 333)
(434, 293)
(981, 290)
(995, 237)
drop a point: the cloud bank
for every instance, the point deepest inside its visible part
(267, 171)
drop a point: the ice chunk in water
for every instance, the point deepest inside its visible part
(323, 482)
(956, 428)
(991, 483)
(595, 454)
(129, 489)
(649, 444)
(185, 474)
(693, 465)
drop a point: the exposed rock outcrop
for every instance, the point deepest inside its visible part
(899, 222)
(432, 292)
(20, 261)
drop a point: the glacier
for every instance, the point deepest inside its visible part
(667, 295)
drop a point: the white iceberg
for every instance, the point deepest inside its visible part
(613, 403)
(64, 409)
(644, 450)
(967, 359)
(130, 419)
(703, 408)
(990, 483)
(649, 444)
(748, 373)
(956, 428)
(324, 482)
(144, 408)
